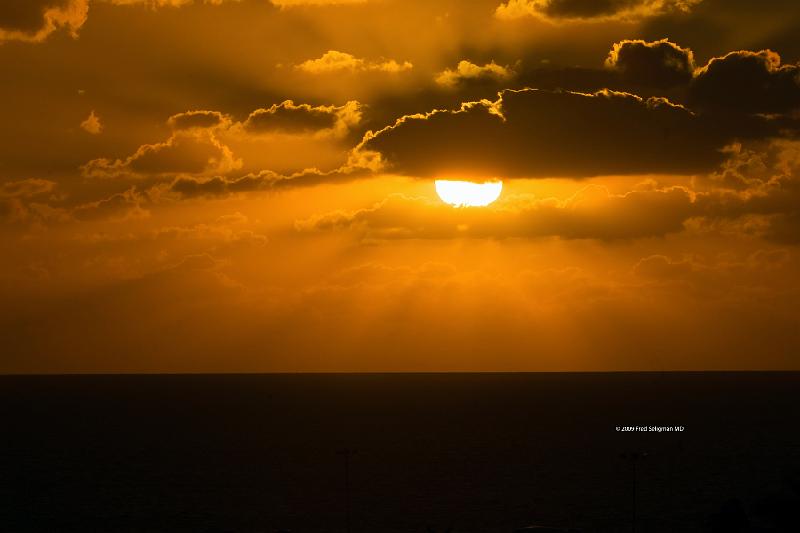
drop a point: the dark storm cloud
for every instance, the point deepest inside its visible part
(747, 82)
(534, 133)
(656, 64)
(34, 20)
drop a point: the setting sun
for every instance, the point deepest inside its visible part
(398, 185)
(467, 193)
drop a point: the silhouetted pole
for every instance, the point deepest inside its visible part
(347, 453)
(633, 506)
(634, 458)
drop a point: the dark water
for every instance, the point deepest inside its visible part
(478, 452)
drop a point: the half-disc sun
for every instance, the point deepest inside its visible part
(467, 193)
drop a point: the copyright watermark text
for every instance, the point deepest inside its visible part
(652, 429)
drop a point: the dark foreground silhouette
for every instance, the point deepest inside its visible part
(460, 453)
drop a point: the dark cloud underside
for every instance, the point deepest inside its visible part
(530, 133)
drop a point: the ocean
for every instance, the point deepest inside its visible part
(427, 453)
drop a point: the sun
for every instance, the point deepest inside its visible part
(467, 193)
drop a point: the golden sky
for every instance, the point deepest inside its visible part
(246, 185)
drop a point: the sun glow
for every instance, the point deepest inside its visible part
(467, 193)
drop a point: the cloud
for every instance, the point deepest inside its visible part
(225, 230)
(655, 64)
(592, 213)
(662, 267)
(15, 197)
(190, 308)
(12, 210)
(216, 186)
(714, 280)
(590, 10)
(284, 118)
(766, 206)
(760, 189)
(333, 61)
(92, 124)
(746, 82)
(198, 119)
(188, 187)
(153, 4)
(467, 71)
(35, 20)
(26, 188)
(740, 82)
(755, 194)
(198, 147)
(536, 133)
(303, 119)
(294, 3)
(196, 152)
(118, 207)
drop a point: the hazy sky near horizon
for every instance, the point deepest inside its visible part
(246, 185)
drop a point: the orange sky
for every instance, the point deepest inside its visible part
(220, 186)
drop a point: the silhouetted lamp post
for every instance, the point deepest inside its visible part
(346, 453)
(633, 457)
